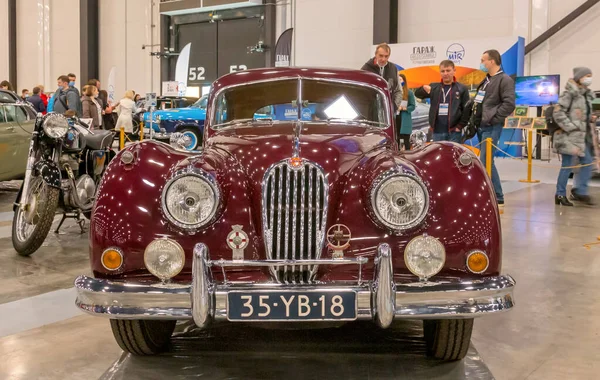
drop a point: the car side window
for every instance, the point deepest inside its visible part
(7, 96)
(2, 118)
(21, 114)
(10, 113)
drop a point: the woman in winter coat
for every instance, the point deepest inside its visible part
(91, 108)
(573, 114)
(404, 120)
(126, 110)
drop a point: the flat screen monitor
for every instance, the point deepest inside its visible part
(537, 91)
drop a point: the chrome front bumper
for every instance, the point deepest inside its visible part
(380, 300)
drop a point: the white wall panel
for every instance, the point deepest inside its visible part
(576, 44)
(112, 41)
(30, 49)
(4, 61)
(124, 27)
(435, 20)
(333, 33)
(64, 41)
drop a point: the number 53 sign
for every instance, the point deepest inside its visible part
(198, 73)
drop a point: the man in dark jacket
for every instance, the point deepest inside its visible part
(448, 100)
(36, 101)
(381, 65)
(66, 97)
(495, 101)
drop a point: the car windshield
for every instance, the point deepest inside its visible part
(321, 101)
(201, 103)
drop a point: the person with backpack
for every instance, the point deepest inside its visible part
(66, 98)
(574, 138)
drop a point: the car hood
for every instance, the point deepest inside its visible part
(343, 152)
(336, 148)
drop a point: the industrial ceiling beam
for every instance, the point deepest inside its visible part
(559, 25)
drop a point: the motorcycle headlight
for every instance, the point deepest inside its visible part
(399, 201)
(190, 199)
(424, 256)
(55, 126)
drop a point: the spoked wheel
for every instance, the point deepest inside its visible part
(191, 138)
(142, 337)
(31, 224)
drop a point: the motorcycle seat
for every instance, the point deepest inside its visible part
(99, 140)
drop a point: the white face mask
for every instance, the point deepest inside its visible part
(587, 81)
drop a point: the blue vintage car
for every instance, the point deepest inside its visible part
(188, 120)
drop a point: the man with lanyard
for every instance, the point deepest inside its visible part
(448, 100)
(380, 65)
(494, 102)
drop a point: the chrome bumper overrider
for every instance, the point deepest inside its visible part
(380, 300)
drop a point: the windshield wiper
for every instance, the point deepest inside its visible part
(357, 121)
(244, 121)
(233, 122)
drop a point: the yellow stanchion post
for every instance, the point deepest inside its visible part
(141, 130)
(529, 158)
(488, 156)
(122, 139)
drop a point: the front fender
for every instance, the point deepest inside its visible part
(50, 174)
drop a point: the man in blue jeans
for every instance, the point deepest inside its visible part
(494, 102)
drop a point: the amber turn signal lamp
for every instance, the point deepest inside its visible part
(112, 259)
(477, 262)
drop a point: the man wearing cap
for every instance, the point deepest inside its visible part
(575, 138)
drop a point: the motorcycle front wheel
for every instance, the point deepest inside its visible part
(32, 223)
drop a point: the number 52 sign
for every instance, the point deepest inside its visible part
(198, 73)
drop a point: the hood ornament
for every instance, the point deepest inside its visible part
(296, 161)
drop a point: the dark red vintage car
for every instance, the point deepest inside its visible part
(321, 219)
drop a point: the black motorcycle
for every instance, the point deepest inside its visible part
(65, 164)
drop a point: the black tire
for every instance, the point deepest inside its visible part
(142, 337)
(448, 339)
(25, 246)
(197, 137)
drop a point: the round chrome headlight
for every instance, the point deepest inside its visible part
(400, 201)
(190, 199)
(424, 256)
(55, 126)
(418, 139)
(164, 258)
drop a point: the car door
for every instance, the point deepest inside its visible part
(7, 128)
(22, 137)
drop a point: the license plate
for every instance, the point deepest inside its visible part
(291, 306)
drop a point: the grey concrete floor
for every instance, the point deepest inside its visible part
(552, 333)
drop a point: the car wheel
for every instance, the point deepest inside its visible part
(192, 137)
(142, 337)
(448, 339)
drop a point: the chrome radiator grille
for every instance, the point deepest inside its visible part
(294, 204)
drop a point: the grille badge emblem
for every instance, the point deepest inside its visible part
(338, 239)
(237, 240)
(295, 162)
